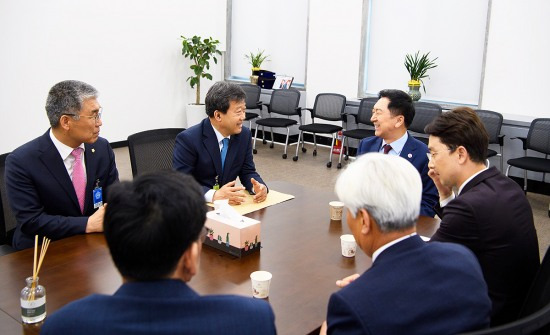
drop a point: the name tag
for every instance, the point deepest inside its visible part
(97, 195)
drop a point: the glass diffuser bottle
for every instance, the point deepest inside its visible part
(33, 301)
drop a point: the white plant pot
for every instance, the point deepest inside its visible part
(195, 114)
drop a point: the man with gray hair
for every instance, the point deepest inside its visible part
(219, 149)
(56, 183)
(412, 287)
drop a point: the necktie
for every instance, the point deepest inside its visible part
(225, 146)
(387, 149)
(79, 180)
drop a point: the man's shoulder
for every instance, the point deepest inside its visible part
(369, 144)
(416, 143)
(244, 304)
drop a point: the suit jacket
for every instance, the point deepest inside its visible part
(161, 307)
(415, 152)
(493, 218)
(414, 288)
(41, 192)
(197, 153)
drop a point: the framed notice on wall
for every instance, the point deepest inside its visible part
(282, 82)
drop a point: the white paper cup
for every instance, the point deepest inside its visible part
(336, 209)
(348, 244)
(220, 203)
(260, 283)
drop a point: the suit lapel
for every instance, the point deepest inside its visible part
(91, 167)
(51, 159)
(409, 149)
(212, 146)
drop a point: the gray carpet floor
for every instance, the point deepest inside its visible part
(311, 171)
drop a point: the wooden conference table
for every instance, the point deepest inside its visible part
(300, 247)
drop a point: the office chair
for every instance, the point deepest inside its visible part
(538, 139)
(252, 101)
(7, 219)
(283, 102)
(425, 113)
(152, 150)
(363, 116)
(493, 123)
(534, 317)
(327, 106)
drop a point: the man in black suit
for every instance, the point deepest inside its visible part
(41, 186)
(483, 210)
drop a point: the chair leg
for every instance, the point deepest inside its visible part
(303, 149)
(525, 181)
(501, 160)
(271, 145)
(255, 137)
(263, 135)
(329, 164)
(286, 142)
(314, 144)
(508, 170)
(339, 166)
(295, 158)
(347, 149)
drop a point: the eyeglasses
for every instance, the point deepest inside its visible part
(95, 117)
(432, 155)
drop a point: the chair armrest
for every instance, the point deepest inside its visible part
(523, 139)
(299, 110)
(261, 105)
(501, 140)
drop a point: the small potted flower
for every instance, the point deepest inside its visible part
(256, 60)
(417, 65)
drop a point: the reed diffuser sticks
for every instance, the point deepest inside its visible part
(35, 267)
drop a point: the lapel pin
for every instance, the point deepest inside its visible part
(409, 155)
(93, 150)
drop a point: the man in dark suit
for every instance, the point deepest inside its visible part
(391, 116)
(154, 228)
(483, 210)
(56, 182)
(412, 287)
(219, 149)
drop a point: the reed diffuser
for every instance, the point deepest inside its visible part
(33, 296)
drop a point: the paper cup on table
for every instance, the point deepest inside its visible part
(219, 203)
(348, 245)
(260, 283)
(336, 209)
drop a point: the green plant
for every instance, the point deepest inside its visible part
(417, 66)
(200, 51)
(257, 59)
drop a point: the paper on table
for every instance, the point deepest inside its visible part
(249, 206)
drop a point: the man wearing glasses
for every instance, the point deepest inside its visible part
(56, 183)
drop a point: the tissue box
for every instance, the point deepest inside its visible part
(235, 237)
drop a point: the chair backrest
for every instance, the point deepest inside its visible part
(365, 110)
(425, 112)
(7, 220)
(252, 95)
(492, 122)
(152, 150)
(538, 138)
(329, 106)
(284, 101)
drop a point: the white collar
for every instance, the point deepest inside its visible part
(219, 135)
(63, 149)
(389, 244)
(398, 144)
(469, 179)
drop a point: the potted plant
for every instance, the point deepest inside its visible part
(200, 51)
(418, 65)
(256, 60)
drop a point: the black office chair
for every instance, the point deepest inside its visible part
(283, 102)
(493, 123)
(362, 117)
(252, 102)
(152, 150)
(425, 113)
(327, 106)
(7, 219)
(538, 139)
(534, 317)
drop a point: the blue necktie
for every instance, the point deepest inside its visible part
(225, 146)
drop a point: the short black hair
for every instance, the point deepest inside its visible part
(461, 127)
(220, 95)
(151, 221)
(400, 104)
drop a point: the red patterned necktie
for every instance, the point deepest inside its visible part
(387, 148)
(79, 180)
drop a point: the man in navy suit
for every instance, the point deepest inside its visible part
(391, 116)
(412, 287)
(219, 149)
(40, 181)
(483, 210)
(154, 228)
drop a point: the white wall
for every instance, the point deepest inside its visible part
(129, 50)
(517, 71)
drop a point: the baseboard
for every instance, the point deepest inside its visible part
(119, 144)
(533, 186)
